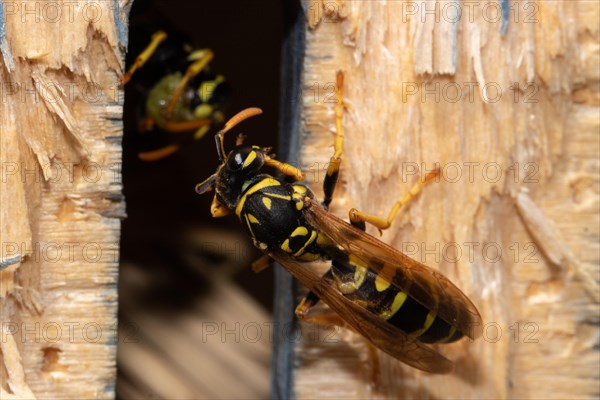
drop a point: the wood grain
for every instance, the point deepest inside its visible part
(508, 108)
(60, 133)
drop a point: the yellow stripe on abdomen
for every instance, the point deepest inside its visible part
(399, 300)
(428, 321)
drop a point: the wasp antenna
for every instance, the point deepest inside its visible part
(239, 117)
(207, 185)
(233, 121)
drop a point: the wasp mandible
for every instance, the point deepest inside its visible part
(395, 302)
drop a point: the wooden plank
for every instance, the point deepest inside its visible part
(507, 106)
(60, 152)
(289, 139)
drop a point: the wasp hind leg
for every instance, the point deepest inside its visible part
(358, 218)
(327, 318)
(309, 301)
(332, 319)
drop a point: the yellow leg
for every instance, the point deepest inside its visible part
(158, 154)
(185, 126)
(307, 303)
(218, 209)
(334, 163)
(193, 70)
(384, 223)
(141, 59)
(261, 264)
(339, 112)
(284, 168)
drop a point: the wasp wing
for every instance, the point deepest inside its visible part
(383, 335)
(425, 285)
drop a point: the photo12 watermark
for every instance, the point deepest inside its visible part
(54, 12)
(434, 92)
(491, 12)
(51, 332)
(62, 252)
(450, 172)
(54, 332)
(57, 171)
(53, 91)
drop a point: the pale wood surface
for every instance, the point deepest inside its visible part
(60, 152)
(539, 299)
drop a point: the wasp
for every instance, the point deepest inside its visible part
(181, 97)
(398, 304)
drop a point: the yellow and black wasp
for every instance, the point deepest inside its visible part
(397, 303)
(180, 97)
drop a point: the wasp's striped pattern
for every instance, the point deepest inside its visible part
(395, 306)
(397, 303)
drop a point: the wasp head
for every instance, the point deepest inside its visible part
(236, 168)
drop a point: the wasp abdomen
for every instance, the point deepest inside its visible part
(386, 300)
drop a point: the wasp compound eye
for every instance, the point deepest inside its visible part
(236, 161)
(245, 159)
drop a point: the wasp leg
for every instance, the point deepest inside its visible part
(333, 169)
(375, 371)
(204, 57)
(186, 126)
(284, 168)
(140, 60)
(307, 303)
(261, 264)
(146, 124)
(154, 155)
(359, 217)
